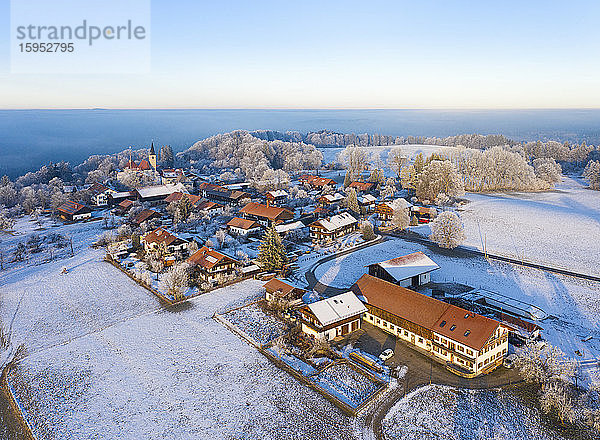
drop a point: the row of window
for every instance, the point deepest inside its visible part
(392, 328)
(459, 347)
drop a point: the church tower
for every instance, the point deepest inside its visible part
(152, 157)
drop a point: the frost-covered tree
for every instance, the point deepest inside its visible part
(447, 230)
(557, 398)
(366, 230)
(177, 280)
(6, 223)
(439, 177)
(408, 178)
(355, 160)
(419, 163)
(167, 159)
(389, 189)
(401, 214)
(397, 160)
(271, 253)
(592, 174)
(542, 363)
(547, 169)
(351, 201)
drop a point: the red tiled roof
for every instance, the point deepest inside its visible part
(70, 207)
(426, 311)
(145, 215)
(159, 236)
(126, 203)
(206, 205)
(143, 165)
(362, 186)
(97, 188)
(208, 258)
(178, 195)
(268, 212)
(275, 285)
(322, 181)
(242, 223)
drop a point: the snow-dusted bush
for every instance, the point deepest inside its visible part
(447, 230)
(366, 230)
(401, 215)
(177, 280)
(547, 169)
(542, 363)
(592, 174)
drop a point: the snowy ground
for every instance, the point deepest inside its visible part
(573, 301)
(253, 321)
(169, 374)
(436, 412)
(560, 228)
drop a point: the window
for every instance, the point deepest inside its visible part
(384, 324)
(379, 321)
(466, 316)
(479, 365)
(468, 332)
(452, 328)
(443, 323)
(420, 340)
(405, 333)
(470, 352)
(436, 338)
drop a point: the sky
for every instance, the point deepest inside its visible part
(341, 54)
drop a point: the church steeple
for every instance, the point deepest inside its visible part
(152, 157)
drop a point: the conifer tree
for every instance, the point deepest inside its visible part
(271, 253)
(352, 201)
(419, 163)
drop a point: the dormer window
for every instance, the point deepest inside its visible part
(452, 328)
(443, 323)
(466, 316)
(468, 332)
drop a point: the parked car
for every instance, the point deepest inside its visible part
(386, 354)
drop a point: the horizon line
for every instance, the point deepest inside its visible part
(304, 108)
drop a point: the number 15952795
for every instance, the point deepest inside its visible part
(47, 47)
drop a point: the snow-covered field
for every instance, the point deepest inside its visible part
(436, 412)
(573, 301)
(170, 374)
(346, 384)
(560, 228)
(257, 324)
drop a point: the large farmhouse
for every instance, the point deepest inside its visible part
(242, 226)
(332, 317)
(469, 344)
(266, 215)
(336, 226)
(159, 237)
(411, 270)
(158, 193)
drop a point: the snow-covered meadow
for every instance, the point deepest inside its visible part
(560, 228)
(438, 412)
(170, 374)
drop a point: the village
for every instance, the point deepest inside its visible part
(352, 299)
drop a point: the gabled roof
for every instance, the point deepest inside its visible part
(268, 212)
(277, 193)
(331, 198)
(286, 227)
(335, 222)
(125, 204)
(276, 285)
(478, 329)
(160, 190)
(72, 208)
(178, 195)
(97, 188)
(144, 215)
(321, 181)
(144, 165)
(161, 235)
(362, 186)
(401, 268)
(337, 308)
(208, 258)
(206, 205)
(426, 311)
(242, 223)
(367, 199)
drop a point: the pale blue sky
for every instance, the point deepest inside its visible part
(343, 54)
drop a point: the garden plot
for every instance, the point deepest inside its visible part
(438, 412)
(253, 321)
(346, 384)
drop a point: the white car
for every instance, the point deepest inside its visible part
(386, 354)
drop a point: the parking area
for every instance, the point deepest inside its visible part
(421, 368)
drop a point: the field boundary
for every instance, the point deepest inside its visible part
(15, 406)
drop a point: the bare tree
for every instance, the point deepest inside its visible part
(447, 230)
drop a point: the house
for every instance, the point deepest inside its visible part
(336, 226)
(318, 183)
(330, 199)
(115, 197)
(158, 193)
(100, 194)
(423, 214)
(363, 187)
(145, 215)
(210, 207)
(265, 215)
(411, 270)
(275, 288)
(242, 226)
(211, 265)
(367, 203)
(276, 198)
(153, 240)
(469, 344)
(73, 211)
(285, 228)
(332, 317)
(178, 195)
(227, 196)
(124, 207)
